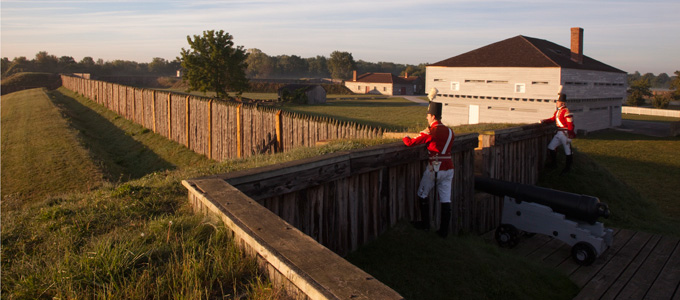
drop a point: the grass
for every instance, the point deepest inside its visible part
(649, 165)
(421, 265)
(108, 239)
(36, 163)
(649, 118)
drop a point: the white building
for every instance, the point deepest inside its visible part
(517, 81)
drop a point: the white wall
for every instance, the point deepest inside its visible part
(594, 97)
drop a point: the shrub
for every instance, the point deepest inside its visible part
(661, 101)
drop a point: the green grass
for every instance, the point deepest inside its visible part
(635, 175)
(421, 265)
(37, 163)
(108, 239)
(393, 114)
(649, 118)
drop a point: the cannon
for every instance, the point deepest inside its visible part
(571, 218)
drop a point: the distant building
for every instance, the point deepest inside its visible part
(385, 84)
(517, 80)
(316, 94)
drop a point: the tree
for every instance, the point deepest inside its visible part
(638, 90)
(45, 62)
(675, 85)
(662, 81)
(292, 66)
(214, 64)
(661, 101)
(341, 65)
(318, 66)
(260, 65)
(67, 64)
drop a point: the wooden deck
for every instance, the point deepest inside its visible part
(638, 265)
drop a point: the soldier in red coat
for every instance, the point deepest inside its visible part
(439, 140)
(563, 119)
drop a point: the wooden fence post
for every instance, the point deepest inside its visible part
(169, 117)
(153, 109)
(210, 133)
(188, 113)
(279, 143)
(239, 143)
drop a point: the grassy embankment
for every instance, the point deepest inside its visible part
(92, 207)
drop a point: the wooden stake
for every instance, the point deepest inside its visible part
(210, 133)
(279, 143)
(153, 109)
(169, 117)
(187, 112)
(238, 132)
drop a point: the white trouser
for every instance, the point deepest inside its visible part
(561, 138)
(444, 181)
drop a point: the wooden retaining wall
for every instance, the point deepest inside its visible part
(340, 200)
(514, 154)
(218, 129)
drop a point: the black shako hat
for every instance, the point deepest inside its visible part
(562, 98)
(435, 109)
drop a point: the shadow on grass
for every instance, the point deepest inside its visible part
(120, 156)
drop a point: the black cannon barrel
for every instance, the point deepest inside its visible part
(573, 206)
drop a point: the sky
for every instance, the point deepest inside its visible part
(641, 35)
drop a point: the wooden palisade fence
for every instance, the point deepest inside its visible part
(218, 129)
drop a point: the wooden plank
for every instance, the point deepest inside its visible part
(668, 282)
(624, 236)
(625, 257)
(643, 279)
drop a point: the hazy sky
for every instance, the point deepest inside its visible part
(640, 35)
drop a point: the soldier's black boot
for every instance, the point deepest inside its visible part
(424, 222)
(446, 220)
(567, 166)
(552, 159)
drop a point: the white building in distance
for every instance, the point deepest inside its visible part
(517, 80)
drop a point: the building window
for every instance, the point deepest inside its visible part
(455, 86)
(384, 89)
(520, 87)
(438, 79)
(539, 82)
(358, 87)
(496, 81)
(475, 81)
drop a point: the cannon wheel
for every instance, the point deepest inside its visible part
(583, 253)
(507, 236)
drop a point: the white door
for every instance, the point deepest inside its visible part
(473, 114)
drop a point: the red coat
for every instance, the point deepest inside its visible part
(439, 140)
(564, 120)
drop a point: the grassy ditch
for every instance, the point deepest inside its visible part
(69, 233)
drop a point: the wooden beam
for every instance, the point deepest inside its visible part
(239, 143)
(279, 143)
(187, 119)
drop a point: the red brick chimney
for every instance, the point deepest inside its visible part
(577, 44)
(354, 75)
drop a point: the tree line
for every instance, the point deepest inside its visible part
(639, 89)
(661, 81)
(45, 62)
(259, 66)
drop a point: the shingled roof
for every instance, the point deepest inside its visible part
(523, 51)
(384, 78)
